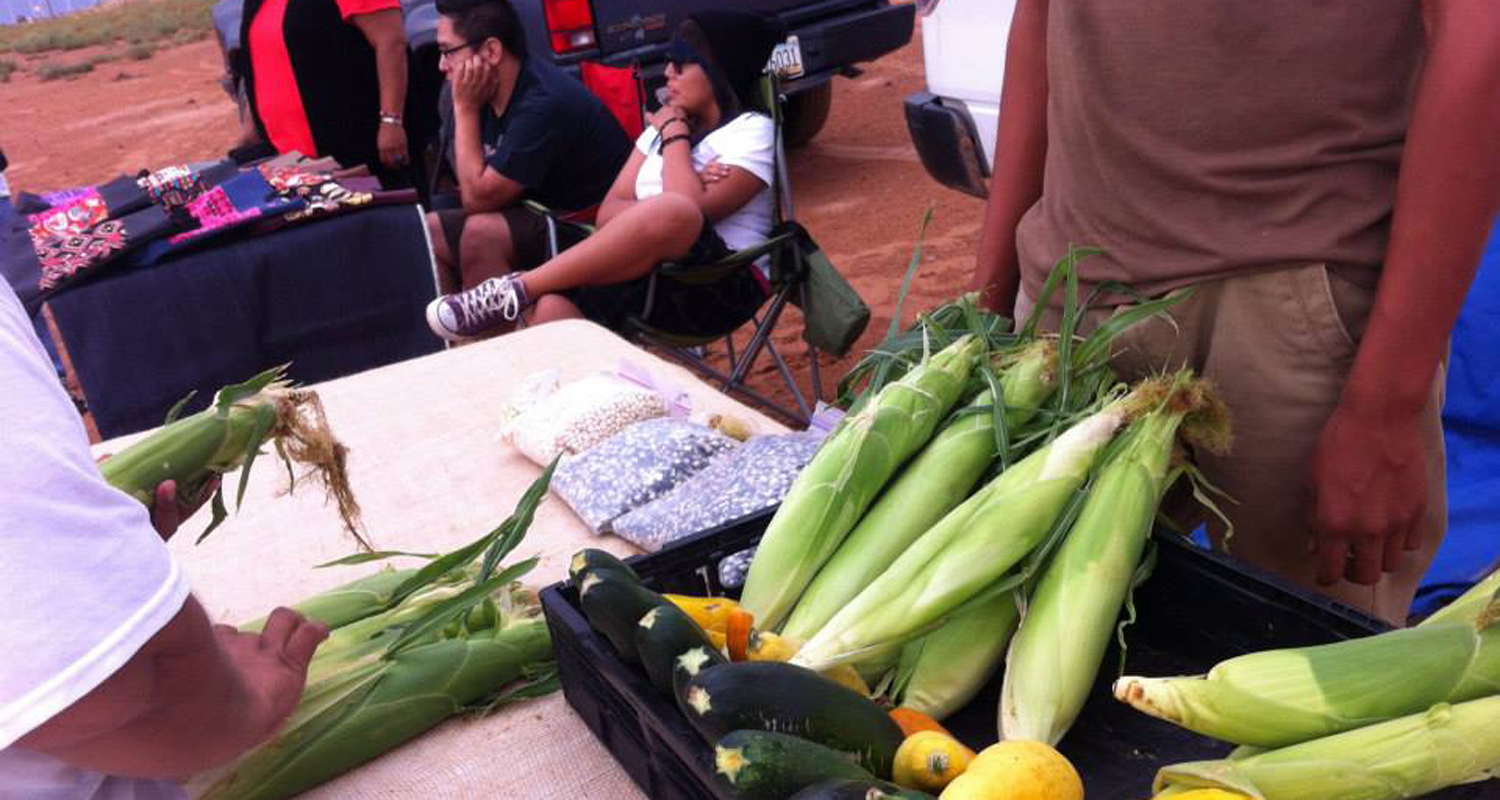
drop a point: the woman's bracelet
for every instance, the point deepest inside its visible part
(661, 129)
(681, 137)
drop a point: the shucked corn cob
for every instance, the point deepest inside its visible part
(937, 480)
(1281, 697)
(228, 435)
(1056, 654)
(1401, 758)
(835, 489)
(970, 549)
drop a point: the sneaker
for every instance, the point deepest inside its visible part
(467, 314)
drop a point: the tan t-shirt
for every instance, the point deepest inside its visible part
(1198, 138)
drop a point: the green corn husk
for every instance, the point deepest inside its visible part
(227, 436)
(1468, 606)
(379, 704)
(1401, 758)
(941, 476)
(835, 489)
(1055, 656)
(970, 549)
(1281, 697)
(351, 602)
(945, 669)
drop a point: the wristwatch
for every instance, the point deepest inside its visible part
(390, 119)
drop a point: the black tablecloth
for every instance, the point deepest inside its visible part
(332, 297)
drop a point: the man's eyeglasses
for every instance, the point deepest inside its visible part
(445, 52)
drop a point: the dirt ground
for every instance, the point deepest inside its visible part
(859, 187)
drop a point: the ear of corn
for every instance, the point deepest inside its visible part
(1071, 616)
(945, 669)
(360, 714)
(969, 549)
(835, 489)
(1281, 697)
(1467, 607)
(936, 481)
(227, 436)
(1400, 758)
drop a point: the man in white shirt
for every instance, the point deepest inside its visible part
(114, 682)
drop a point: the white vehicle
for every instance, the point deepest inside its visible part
(953, 123)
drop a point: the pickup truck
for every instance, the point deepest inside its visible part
(827, 37)
(952, 123)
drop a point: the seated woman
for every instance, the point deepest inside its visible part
(696, 188)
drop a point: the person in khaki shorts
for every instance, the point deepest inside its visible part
(1324, 173)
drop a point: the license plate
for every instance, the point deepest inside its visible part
(786, 59)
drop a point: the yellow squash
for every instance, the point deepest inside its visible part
(929, 760)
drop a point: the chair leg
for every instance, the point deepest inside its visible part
(817, 380)
(791, 381)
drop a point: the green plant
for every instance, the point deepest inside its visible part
(140, 22)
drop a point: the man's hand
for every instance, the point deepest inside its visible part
(391, 142)
(1369, 495)
(474, 82)
(168, 511)
(273, 664)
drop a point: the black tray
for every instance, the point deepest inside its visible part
(1197, 609)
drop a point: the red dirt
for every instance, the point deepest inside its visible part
(858, 187)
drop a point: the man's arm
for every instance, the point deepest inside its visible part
(193, 697)
(383, 30)
(480, 188)
(1369, 474)
(1020, 156)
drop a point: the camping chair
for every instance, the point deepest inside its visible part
(786, 250)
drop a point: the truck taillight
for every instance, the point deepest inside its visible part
(570, 24)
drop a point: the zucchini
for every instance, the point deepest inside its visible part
(776, 696)
(589, 559)
(687, 666)
(614, 604)
(663, 634)
(857, 789)
(763, 765)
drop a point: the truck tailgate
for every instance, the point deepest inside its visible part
(627, 24)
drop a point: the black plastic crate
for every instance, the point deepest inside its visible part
(1197, 609)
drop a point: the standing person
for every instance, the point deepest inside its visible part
(1325, 174)
(328, 78)
(115, 682)
(523, 130)
(696, 188)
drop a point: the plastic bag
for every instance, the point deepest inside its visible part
(753, 477)
(579, 415)
(634, 467)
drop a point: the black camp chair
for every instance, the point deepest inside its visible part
(788, 249)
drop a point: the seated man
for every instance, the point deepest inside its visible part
(523, 130)
(697, 188)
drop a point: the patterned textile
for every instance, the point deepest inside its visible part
(172, 187)
(329, 197)
(214, 210)
(63, 257)
(292, 179)
(71, 218)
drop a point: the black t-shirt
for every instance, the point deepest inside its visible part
(555, 138)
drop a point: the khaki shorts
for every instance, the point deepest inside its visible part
(1279, 345)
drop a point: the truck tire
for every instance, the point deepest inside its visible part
(805, 113)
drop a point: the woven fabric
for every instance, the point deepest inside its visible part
(172, 187)
(431, 475)
(64, 257)
(69, 218)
